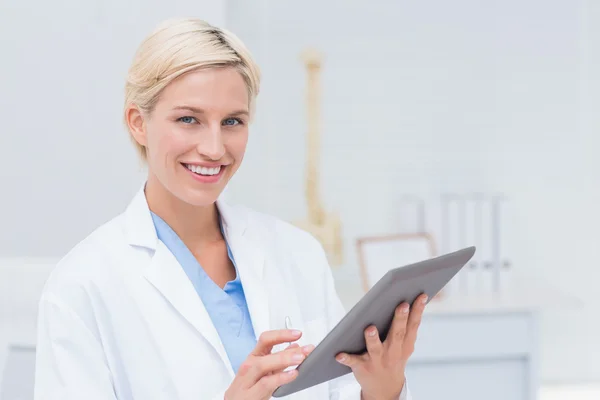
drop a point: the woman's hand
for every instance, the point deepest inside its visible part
(380, 371)
(263, 372)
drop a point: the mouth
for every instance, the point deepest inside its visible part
(205, 174)
(204, 171)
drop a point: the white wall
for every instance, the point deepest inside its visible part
(427, 97)
(66, 163)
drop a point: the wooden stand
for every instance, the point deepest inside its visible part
(325, 227)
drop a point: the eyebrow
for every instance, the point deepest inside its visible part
(201, 111)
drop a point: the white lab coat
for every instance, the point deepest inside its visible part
(119, 318)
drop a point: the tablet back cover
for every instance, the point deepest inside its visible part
(403, 284)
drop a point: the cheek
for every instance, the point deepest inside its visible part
(237, 146)
(165, 140)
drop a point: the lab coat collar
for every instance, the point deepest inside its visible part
(139, 227)
(140, 230)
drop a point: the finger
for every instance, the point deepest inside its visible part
(269, 339)
(395, 337)
(276, 362)
(265, 387)
(350, 360)
(306, 350)
(374, 345)
(280, 348)
(414, 321)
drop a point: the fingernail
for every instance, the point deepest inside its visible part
(341, 358)
(291, 372)
(405, 308)
(308, 347)
(298, 357)
(372, 332)
(296, 332)
(424, 300)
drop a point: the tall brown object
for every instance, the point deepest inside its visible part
(324, 226)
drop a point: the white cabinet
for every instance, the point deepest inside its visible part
(476, 356)
(21, 283)
(470, 379)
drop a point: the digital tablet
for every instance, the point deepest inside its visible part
(403, 284)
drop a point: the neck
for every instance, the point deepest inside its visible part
(195, 225)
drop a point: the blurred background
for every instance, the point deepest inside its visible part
(421, 102)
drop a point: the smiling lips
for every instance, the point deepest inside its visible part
(203, 170)
(205, 174)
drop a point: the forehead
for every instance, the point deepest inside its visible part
(216, 89)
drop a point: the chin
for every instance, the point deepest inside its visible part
(200, 199)
(196, 192)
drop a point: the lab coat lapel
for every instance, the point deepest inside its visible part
(168, 277)
(249, 253)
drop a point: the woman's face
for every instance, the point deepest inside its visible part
(196, 136)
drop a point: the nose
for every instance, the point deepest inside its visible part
(211, 144)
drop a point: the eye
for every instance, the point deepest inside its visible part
(187, 120)
(232, 121)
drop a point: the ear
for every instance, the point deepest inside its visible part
(136, 124)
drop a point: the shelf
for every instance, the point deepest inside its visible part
(523, 298)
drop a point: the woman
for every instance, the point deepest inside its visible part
(183, 296)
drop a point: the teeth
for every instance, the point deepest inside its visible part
(203, 170)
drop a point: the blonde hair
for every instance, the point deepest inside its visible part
(178, 46)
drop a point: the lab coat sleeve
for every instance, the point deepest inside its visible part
(345, 387)
(70, 362)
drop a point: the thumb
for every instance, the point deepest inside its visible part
(349, 360)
